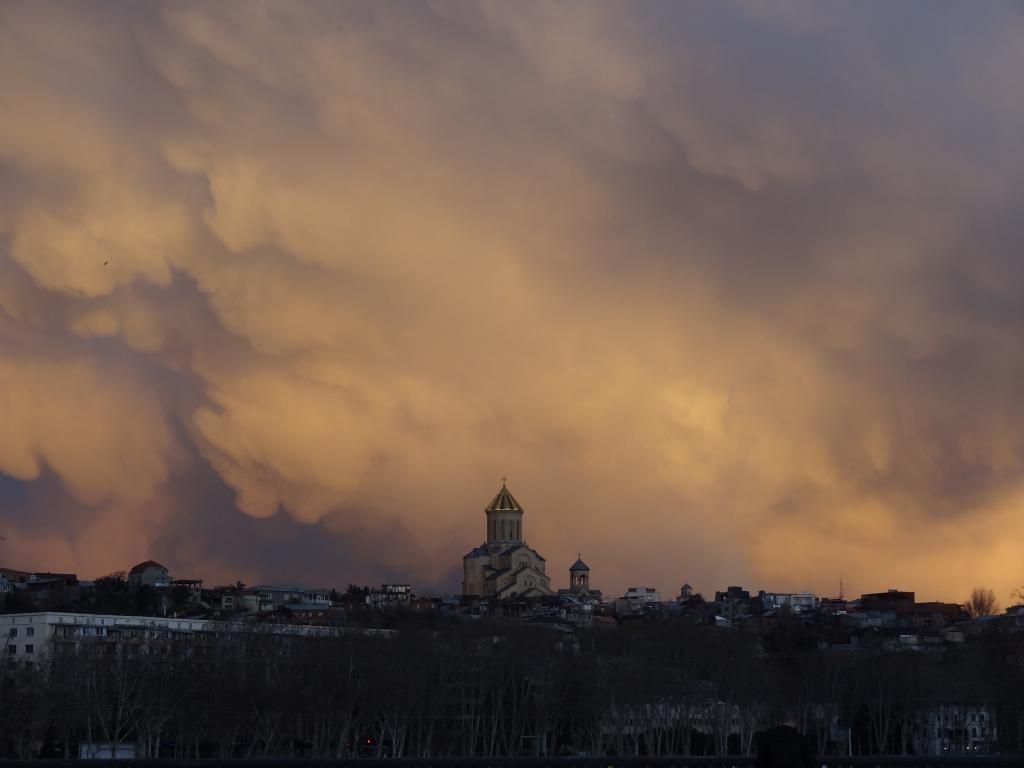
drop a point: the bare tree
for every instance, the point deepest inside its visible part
(982, 602)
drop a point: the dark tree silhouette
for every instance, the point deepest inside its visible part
(982, 602)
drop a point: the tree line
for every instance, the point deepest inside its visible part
(493, 688)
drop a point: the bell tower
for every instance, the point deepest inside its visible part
(504, 520)
(579, 577)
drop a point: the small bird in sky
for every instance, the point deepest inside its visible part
(105, 263)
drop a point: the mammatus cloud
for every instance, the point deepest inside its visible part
(729, 293)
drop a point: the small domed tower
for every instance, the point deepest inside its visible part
(579, 577)
(504, 520)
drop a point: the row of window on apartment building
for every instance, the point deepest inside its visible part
(29, 647)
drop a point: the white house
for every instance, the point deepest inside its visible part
(265, 597)
(390, 594)
(955, 729)
(317, 597)
(797, 602)
(637, 598)
(151, 574)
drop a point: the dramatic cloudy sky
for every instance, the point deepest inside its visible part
(732, 292)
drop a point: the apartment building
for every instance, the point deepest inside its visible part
(32, 637)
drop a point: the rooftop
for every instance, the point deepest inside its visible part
(146, 564)
(503, 502)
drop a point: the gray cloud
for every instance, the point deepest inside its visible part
(729, 291)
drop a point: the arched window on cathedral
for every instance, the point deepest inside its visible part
(523, 563)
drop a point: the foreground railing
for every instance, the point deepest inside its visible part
(826, 761)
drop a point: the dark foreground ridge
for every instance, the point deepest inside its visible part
(826, 761)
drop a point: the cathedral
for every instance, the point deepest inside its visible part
(504, 566)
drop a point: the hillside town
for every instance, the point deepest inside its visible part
(504, 578)
(692, 674)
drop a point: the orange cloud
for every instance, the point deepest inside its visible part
(724, 294)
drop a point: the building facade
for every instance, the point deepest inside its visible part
(637, 600)
(797, 602)
(151, 574)
(266, 597)
(32, 638)
(504, 566)
(389, 596)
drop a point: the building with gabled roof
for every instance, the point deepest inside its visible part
(149, 573)
(504, 566)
